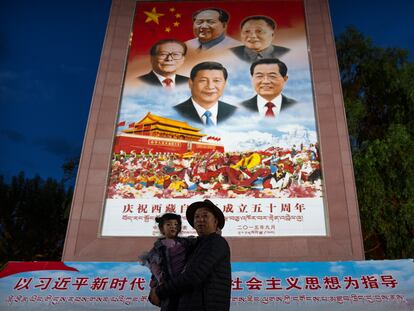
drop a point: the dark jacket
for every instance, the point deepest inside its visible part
(251, 103)
(151, 79)
(277, 52)
(205, 283)
(186, 110)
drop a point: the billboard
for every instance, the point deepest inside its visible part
(353, 285)
(255, 153)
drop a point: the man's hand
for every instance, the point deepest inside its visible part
(154, 298)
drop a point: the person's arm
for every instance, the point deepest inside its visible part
(198, 270)
(156, 271)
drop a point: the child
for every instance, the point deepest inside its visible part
(167, 258)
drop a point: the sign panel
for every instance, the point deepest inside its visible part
(312, 286)
(217, 104)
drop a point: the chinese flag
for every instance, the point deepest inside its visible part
(156, 20)
(121, 123)
(131, 125)
(160, 20)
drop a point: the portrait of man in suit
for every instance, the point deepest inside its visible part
(167, 56)
(269, 76)
(209, 27)
(207, 83)
(257, 34)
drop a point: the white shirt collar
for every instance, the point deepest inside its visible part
(162, 78)
(201, 110)
(261, 102)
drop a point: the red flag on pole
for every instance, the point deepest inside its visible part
(121, 123)
(131, 125)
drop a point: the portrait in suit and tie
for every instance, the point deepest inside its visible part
(269, 76)
(257, 34)
(207, 83)
(167, 56)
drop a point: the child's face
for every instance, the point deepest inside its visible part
(170, 228)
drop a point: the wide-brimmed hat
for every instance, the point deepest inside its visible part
(210, 206)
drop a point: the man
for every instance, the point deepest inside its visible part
(207, 83)
(209, 27)
(205, 283)
(257, 34)
(269, 76)
(166, 57)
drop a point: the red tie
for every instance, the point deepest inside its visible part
(269, 112)
(168, 83)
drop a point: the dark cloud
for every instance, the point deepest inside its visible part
(8, 76)
(58, 146)
(73, 69)
(12, 135)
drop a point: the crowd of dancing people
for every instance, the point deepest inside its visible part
(274, 172)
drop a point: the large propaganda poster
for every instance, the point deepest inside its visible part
(217, 104)
(386, 285)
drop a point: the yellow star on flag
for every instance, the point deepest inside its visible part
(178, 15)
(167, 29)
(172, 9)
(176, 24)
(153, 16)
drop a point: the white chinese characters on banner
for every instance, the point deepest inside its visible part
(313, 286)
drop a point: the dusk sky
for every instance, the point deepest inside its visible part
(49, 55)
